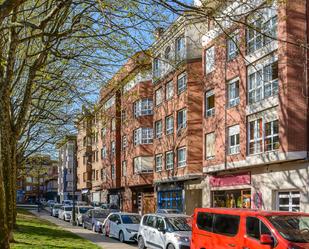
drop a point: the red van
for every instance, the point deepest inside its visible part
(222, 228)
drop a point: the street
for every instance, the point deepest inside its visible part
(98, 239)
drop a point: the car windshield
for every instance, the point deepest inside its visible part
(180, 223)
(99, 214)
(67, 208)
(294, 228)
(83, 210)
(57, 206)
(131, 219)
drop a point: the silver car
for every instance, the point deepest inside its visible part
(55, 210)
(167, 231)
(79, 211)
(65, 213)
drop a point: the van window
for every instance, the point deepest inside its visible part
(255, 227)
(151, 221)
(226, 224)
(204, 221)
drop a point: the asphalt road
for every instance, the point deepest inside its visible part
(98, 239)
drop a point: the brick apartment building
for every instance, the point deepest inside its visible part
(66, 168)
(255, 111)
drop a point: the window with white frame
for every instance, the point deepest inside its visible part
(123, 115)
(103, 152)
(113, 172)
(158, 162)
(158, 129)
(143, 107)
(233, 92)
(169, 90)
(181, 119)
(210, 59)
(233, 45)
(167, 53)
(124, 142)
(288, 201)
(156, 67)
(113, 124)
(169, 160)
(143, 136)
(143, 164)
(124, 168)
(109, 103)
(180, 48)
(104, 175)
(262, 30)
(182, 157)
(210, 140)
(233, 139)
(169, 124)
(158, 96)
(181, 83)
(263, 80)
(209, 103)
(113, 148)
(263, 135)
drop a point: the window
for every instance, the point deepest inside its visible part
(233, 92)
(288, 201)
(210, 103)
(124, 168)
(113, 171)
(124, 142)
(113, 124)
(102, 174)
(143, 136)
(262, 81)
(169, 160)
(103, 132)
(204, 221)
(158, 129)
(232, 45)
(255, 227)
(143, 164)
(180, 48)
(123, 115)
(182, 157)
(97, 156)
(103, 152)
(158, 96)
(262, 30)
(158, 162)
(28, 188)
(113, 148)
(181, 83)
(167, 53)
(181, 119)
(210, 145)
(233, 133)
(210, 59)
(169, 90)
(269, 137)
(169, 125)
(97, 175)
(156, 67)
(143, 107)
(93, 175)
(226, 224)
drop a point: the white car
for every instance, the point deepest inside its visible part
(65, 213)
(123, 226)
(166, 231)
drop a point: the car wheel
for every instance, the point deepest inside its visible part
(94, 229)
(141, 243)
(121, 237)
(170, 246)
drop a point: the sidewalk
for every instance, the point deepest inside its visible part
(98, 239)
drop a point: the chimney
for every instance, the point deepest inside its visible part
(158, 32)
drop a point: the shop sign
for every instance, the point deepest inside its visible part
(230, 180)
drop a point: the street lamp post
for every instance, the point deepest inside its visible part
(73, 190)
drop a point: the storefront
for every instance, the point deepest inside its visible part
(171, 199)
(240, 198)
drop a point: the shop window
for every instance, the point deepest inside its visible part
(288, 201)
(158, 162)
(255, 227)
(232, 198)
(204, 221)
(210, 60)
(233, 45)
(158, 96)
(233, 92)
(169, 125)
(210, 145)
(226, 224)
(169, 90)
(181, 83)
(158, 129)
(233, 133)
(170, 200)
(209, 103)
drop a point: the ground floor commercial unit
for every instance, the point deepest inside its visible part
(283, 186)
(183, 195)
(64, 196)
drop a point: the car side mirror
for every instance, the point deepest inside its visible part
(117, 222)
(266, 239)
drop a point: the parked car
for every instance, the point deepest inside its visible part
(168, 231)
(67, 202)
(168, 211)
(80, 203)
(123, 226)
(79, 212)
(94, 219)
(243, 228)
(55, 210)
(65, 213)
(110, 206)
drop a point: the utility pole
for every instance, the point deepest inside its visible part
(74, 186)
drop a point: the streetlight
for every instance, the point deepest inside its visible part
(74, 186)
